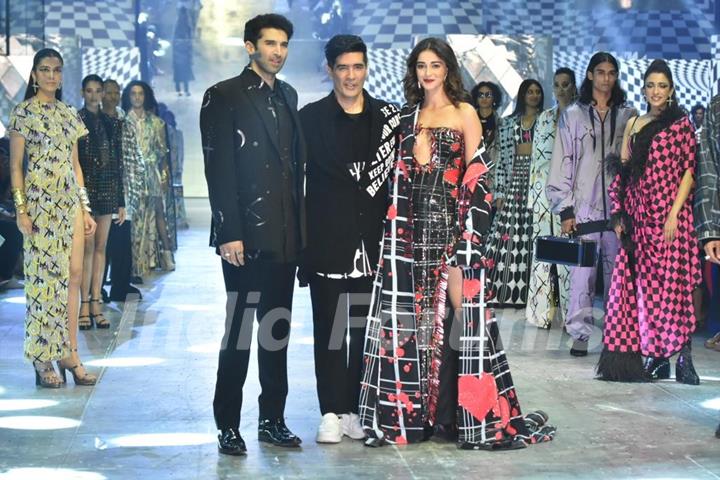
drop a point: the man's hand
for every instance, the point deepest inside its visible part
(712, 250)
(568, 226)
(233, 252)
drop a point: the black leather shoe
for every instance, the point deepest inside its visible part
(231, 443)
(579, 348)
(657, 368)
(275, 432)
(684, 369)
(717, 432)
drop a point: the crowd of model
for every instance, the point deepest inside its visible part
(79, 181)
(407, 225)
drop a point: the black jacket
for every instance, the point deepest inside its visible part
(340, 210)
(243, 168)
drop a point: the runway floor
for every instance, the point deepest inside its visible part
(150, 415)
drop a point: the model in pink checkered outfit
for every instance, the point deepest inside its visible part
(650, 309)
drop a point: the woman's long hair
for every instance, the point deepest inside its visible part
(150, 104)
(453, 85)
(39, 57)
(671, 114)
(520, 104)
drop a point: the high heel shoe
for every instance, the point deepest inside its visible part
(713, 342)
(684, 369)
(85, 324)
(166, 261)
(657, 368)
(98, 318)
(86, 380)
(45, 375)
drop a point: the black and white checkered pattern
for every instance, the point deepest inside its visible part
(387, 69)
(102, 24)
(682, 32)
(119, 64)
(393, 24)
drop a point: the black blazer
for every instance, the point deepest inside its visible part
(340, 210)
(243, 166)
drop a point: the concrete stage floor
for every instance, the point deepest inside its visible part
(150, 415)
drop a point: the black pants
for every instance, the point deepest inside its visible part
(11, 249)
(119, 256)
(264, 289)
(339, 305)
(447, 403)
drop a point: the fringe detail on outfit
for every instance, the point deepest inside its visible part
(620, 367)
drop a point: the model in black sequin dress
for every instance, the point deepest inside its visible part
(100, 155)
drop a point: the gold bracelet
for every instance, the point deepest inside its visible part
(21, 210)
(85, 200)
(19, 197)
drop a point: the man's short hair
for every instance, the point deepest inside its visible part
(340, 44)
(254, 26)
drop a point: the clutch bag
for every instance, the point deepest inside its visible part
(574, 252)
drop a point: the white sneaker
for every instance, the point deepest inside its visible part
(330, 429)
(352, 427)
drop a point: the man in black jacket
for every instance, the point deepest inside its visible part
(351, 143)
(254, 166)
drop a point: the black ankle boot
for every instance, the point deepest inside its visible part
(657, 368)
(684, 369)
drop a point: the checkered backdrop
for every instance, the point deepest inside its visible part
(120, 64)
(99, 24)
(387, 69)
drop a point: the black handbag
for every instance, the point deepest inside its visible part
(574, 252)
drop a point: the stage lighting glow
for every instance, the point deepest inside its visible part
(124, 362)
(709, 379)
(53, 473)
(2, 390)
(14, 404)
(38, 423)
(712, 404)
(193, 308)
(179, 439)
(213, 347)
(306, 341)
(18, 300)
(233, 42)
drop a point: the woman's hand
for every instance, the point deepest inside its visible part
(89, 223)
(670, 227)
(24, 224)
(121, 216)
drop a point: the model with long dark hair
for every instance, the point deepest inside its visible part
(138, 100)
(431, 264)
(54, 216)
(100, 156)
(588, 131)
(650, 309)
(487, 98)
(509, 244)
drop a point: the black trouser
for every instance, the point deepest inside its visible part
(339, 304)
(447, 402)
(264, 289)
(119, 256)
(11, 248)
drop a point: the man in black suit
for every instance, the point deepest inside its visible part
(254, 166)
(351, 144)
